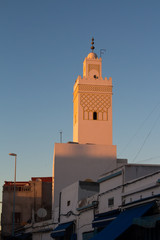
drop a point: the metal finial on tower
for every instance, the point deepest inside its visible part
(92, 47)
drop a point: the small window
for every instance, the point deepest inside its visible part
(110, 202)
(68, 203)
(17, 217)
(87, 235)
(94, 115)
(95, 76)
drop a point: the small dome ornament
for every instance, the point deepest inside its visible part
(92, 55)
(92, 47)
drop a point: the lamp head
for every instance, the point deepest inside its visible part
(13, 154)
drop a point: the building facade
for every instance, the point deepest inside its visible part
(92, 104)
(95, 195)
(125, 207)
(92, 131)
(30, 197)
(125, 193)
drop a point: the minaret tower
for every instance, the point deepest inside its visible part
(92, 101)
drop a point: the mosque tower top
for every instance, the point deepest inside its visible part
(92, 101)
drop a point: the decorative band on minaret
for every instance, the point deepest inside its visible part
(92, 47)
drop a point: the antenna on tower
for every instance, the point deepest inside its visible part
(102, 51)
(92, 47)
(60, 132)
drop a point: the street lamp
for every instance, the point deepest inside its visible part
(14, 193)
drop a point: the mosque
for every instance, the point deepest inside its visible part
(92, 130)
(96, 196)
(93, 192)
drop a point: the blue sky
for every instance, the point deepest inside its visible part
(42, 48)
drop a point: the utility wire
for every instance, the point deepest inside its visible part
(139, 128)
(146, 138)
(148, 159)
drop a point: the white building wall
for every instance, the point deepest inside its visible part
(131, 191)
(69, 201)
(137, 189)
(74, 197)
(134, 171)
(103, 200)
(84, 223)
(69, 198)
(111, 183)
(74, 162)
(142, 188)
(143, 182)
(42, 236)
(141, 195)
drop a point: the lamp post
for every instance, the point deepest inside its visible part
(14, 193)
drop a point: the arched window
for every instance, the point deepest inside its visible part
(94, 115)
